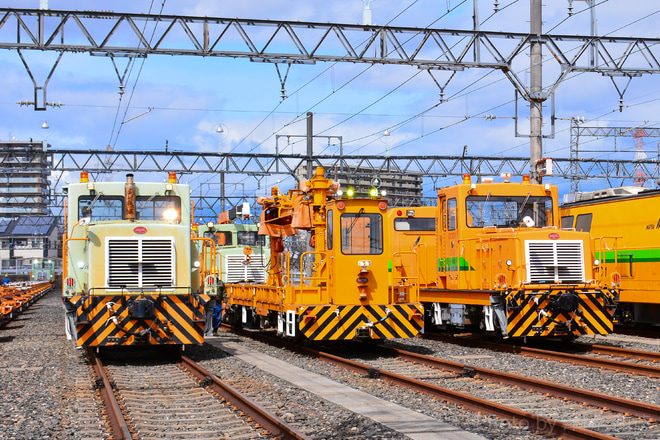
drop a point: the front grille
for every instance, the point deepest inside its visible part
(140, 262)
(237, 272)
(555, 261)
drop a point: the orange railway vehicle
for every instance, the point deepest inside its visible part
(342, 289)
(630, 218)
(130, 264)
(491, 256)
(18, 296)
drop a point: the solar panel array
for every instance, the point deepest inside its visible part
(34, 225)
(4, 222)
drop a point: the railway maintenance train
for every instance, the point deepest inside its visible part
(131, 267)
(42, 270)
(492, 256)
(242, 255)
(16, 297)
(630, 217)
(342, 288)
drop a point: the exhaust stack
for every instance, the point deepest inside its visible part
(129, 192)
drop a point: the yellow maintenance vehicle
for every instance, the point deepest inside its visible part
(340, 289)
(133, 273)
(492, 256)
(629, 219)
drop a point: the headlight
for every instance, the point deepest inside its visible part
(596, 262)
(196, 264)
(509, 263)
(170, 215)
(80, 264)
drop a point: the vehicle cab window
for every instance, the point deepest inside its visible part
(361, 233)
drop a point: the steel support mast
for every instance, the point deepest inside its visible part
(536, 96)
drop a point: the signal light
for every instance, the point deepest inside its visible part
(382, 206)
(466, 179)
(341, 205)
(525, 178)
(399, 212)
(171, 178)
(84, 177)
(70, 282)
(362, 280)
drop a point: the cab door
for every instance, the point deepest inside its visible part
(448, 255)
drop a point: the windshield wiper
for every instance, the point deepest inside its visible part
(355, 219)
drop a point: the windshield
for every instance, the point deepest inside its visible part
(106, 208)
(250, 238)
(361, 233)
(158, 208)
(101, 208)
(508, 211)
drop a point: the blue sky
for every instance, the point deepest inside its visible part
(190, 96)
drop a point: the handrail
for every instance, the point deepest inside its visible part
(414, 276)
(158, 290)
(65, 246)
(208, 248)
(601, 248)
(317, 269)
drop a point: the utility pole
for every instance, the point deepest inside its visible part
(310, 144)
(536, 89)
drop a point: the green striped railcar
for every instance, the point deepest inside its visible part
(630, 218)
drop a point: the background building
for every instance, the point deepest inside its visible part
(24, 171)
(23, 239)
(400, 189)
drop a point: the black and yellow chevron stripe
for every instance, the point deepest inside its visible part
(336, 322)
(179, 319)
(594, 315)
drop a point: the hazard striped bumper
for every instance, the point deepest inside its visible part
(125, 320)
(560, 313)
(336, 322)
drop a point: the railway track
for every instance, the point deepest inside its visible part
(153, 400)
(565, 415)
(604, 362)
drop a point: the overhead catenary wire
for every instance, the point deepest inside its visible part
(130, 99)
(349, 81)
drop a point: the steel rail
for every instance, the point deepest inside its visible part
(613, 403)
(606, 364)
(534, 422)
(118, 424)
(277, 427)
(624, 352)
